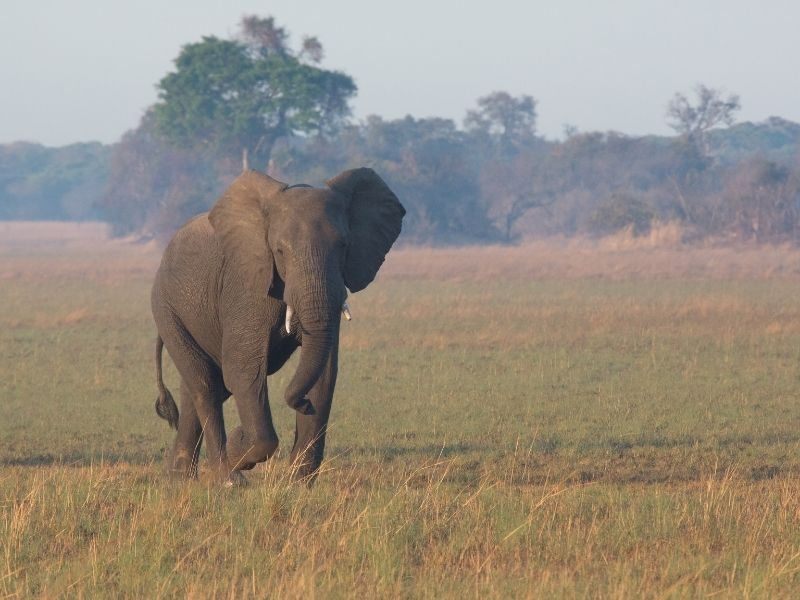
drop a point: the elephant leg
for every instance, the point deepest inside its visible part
(310, 430)
(255, 440)
(202, 389)
(244, 370)
(209, 412)
(186, 451)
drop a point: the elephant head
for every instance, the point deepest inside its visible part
(305, 246)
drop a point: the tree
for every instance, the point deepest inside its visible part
(154, 186)
(511, 120)
(427, 163)
(245, 94)
(763, 200)
(694, 121)
(511, 188)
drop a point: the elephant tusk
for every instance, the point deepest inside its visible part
(289, 315)
(346, 311)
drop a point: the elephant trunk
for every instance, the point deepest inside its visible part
(318, 308)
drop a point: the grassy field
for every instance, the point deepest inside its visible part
(561, 419)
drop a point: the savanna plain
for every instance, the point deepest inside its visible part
(615, 418)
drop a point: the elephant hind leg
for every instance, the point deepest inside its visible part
(186, 451)
(202, 395)
(208, 414)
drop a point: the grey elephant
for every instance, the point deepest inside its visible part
(242, 287)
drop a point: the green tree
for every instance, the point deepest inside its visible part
(247, 93)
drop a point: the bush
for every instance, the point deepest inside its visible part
(619, 211)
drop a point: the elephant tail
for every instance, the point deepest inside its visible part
(165, 404)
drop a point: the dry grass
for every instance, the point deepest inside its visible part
(613, 258)
(41, 233)
(613, 418)
(85, 248)
(123, 532)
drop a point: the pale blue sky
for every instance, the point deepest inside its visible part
(77, 70)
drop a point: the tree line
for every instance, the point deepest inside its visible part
(491, 178)
(60, 184)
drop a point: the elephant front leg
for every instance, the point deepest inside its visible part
(255, 440)
(244, 372)
(310, 429)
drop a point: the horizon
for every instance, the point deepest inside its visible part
(554, 140)
(629, 60)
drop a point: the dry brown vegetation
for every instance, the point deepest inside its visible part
(659, 254)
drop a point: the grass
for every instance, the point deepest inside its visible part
(555, 420)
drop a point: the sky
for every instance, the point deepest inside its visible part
(82, 70)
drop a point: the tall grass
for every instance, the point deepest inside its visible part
(553, 420)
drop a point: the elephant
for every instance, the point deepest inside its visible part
(240, 288)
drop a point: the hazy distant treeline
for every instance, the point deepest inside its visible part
(40, 183)
(458, 186)
(490, 178)
(461, 186)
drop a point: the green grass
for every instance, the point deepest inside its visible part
(508, 437)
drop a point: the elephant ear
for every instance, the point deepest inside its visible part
(375, 217)
(239, 219)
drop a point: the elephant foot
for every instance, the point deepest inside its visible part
(182, 467)
(245, 451)
(235, 479)
(182, 474)
(305, 477)
(304, 471)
